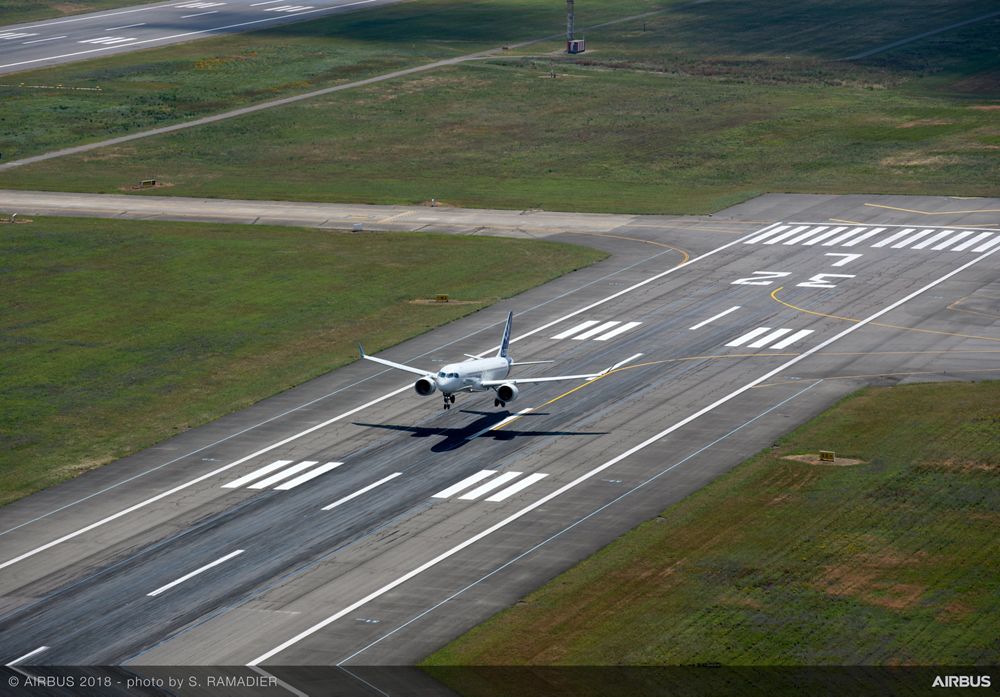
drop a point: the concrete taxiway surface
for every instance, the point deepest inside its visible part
(52, 42)
(348, 521)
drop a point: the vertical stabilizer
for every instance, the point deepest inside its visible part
(505, 342)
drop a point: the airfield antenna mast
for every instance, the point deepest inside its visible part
(573, 45)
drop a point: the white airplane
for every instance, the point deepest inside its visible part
(477, 374)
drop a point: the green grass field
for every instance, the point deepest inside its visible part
(47, 109)
(117, 334)
(890, 562)
(685, 112)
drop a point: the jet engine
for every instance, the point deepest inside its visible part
(425, 387)
(507, 392)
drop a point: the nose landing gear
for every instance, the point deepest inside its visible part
(449, 399)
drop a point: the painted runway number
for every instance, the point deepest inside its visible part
(847, 258)
(822, 280)
(767, 278)
(761, 278)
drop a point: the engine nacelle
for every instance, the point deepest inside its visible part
(507, 392)
(425, 387)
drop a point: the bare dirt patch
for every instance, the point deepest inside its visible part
(868, 578)
(964, 466)
(926, 122)
(917, 160)
(813, 459)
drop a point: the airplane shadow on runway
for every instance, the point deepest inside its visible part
(455, 438)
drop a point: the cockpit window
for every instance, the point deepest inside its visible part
(442, 375)
(453, 375)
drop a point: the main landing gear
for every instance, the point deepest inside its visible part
(449, 399)
(498, 403)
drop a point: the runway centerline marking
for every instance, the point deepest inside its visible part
(361, 491)
(194, 573)
(51, 38)
(711, 319)
(610, 463)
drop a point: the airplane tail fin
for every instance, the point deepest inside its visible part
(505, 342)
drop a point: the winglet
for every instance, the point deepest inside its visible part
(505, 342)
(362, 350)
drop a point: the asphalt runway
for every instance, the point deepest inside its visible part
(350, 522)
(33, 45)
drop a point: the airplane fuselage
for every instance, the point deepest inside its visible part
(477, 374)
(467, 375)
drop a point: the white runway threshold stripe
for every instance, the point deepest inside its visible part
(194, 573)
(350, 412)
(431, 563)
(362, 491)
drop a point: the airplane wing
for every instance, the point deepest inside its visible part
(554, 378)
(397, 366)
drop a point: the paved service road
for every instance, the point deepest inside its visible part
(55, 41)
(352, 522)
